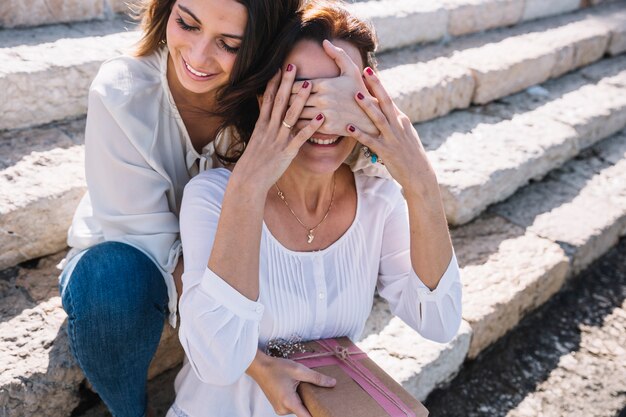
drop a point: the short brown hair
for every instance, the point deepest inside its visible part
(318, 20)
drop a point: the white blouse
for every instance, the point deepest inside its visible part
(304, 295)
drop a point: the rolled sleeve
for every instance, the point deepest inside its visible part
(230, 298)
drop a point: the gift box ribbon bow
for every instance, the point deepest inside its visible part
(348, 358)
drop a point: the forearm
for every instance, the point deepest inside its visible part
(255, 369)
(431, 247)
(235, 254)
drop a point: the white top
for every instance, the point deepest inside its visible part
(306, 295)
(138, 159)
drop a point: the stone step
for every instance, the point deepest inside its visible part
(39, 376)
(565, 359)
(429, 82)
(449, 18)
(482, 155)
(406, 22)
(32, 13)
(48, 71)
(513, 258)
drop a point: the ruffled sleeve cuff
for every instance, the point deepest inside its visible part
(449, 278)
(230, 298)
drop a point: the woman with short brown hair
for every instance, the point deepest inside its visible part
(291, 243)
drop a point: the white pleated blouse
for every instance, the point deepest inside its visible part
(304, 295)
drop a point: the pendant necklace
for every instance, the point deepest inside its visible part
(310, 230)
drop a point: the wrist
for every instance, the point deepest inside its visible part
(247, 185)
(258, 364)
(422, 185)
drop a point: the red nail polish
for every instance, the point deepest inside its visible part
(360, 96)
(305, 84)
(319, 116)
(289, 67)
(369, 71)
(352, 128)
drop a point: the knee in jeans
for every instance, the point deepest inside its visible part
(112, 280)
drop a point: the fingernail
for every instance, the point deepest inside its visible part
(289, 67)
(319, 116)
(369, 71)
(305, 84)
(352, 128)
(360, 96)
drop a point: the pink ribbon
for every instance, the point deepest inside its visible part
(348, 358)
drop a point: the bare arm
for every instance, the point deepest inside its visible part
(272, 147)
(400, 148)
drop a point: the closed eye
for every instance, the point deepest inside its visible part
(227, 48)
(185, 26)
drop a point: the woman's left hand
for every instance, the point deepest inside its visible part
(398, 144)
(333, 96)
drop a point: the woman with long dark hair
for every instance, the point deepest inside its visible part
(156, 119)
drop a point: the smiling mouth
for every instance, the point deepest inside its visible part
(195, 72)
(332, 141)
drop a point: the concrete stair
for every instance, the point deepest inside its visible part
(37, 65)
(525, 125)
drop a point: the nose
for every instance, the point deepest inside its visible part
(201, 55)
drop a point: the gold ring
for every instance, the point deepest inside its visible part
(287, 125)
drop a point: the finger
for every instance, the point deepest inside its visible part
(297, 85)
(282, 96)
(305, 133)
(300, 410)
(344, 62)
(316, 378)
(309, 113)
(373, 111)
(268, 97)
(363, 138)
(384, 99)
(293, 113)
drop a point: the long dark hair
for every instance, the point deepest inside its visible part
(236, 106)
(318, 20)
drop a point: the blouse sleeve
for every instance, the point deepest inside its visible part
(128, 195)
(219, 327)
(435, 314)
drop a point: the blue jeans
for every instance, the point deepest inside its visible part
(116, 301)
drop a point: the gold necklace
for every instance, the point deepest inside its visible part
(310, 230)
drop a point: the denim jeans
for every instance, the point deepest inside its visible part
(116, 301)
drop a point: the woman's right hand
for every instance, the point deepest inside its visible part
(273, 144)
(279, 379)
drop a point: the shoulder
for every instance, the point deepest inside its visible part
(209, 185)
(378, 191)
(123, 77)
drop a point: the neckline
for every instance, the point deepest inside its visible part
(333, 245)
(165, 53)
(336, 243)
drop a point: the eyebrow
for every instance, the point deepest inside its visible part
(190, 13)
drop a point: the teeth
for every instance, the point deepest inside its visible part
(323, 141)
(193, 71)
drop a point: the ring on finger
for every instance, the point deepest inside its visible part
(287, 125)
